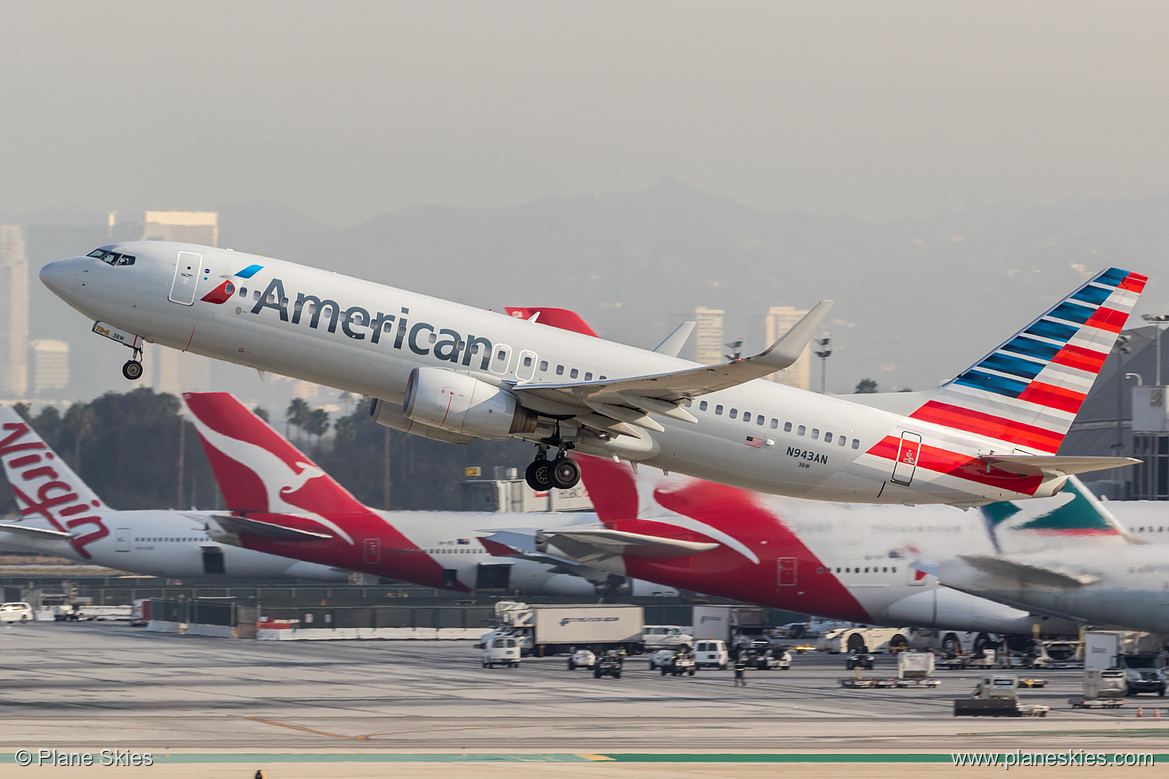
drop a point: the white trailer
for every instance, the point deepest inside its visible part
(549, 629)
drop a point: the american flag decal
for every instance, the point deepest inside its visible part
(755, 442)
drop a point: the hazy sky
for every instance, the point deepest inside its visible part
(350, 109)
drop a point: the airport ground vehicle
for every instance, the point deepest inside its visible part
(711, 653)
(861, 660)
(1103, 689)
(656, 637)
(863, 640)
(608, 664)
(1140, 656)
(582, 658)
(660, 658)
(997, 696)
(15, 611)
(549, 629)
(501, 650)
(914, 669)
(680, 663)
(768, 659)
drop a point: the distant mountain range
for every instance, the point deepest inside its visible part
(917, 300)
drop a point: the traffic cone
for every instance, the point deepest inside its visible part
(1157, 712)
(1140, 712)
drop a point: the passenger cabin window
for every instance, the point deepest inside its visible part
(827, 438)
(588, 376)
(543, 365)
(702, 405)
(759, 419)
(734, 413)
(856, 444)
(559, 370)
(815, 433)
(573, 373)
(775, 424)
(842, 440)
(801, 430)
(718, 409)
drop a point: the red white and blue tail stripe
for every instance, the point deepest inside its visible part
(1027, 392)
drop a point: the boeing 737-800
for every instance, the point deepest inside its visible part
(452, 372)
(61, 516)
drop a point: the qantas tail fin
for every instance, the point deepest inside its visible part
(257, 469)
(1028, 391)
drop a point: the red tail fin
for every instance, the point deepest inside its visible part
(612, 488)
(257, 469)
(554, 317)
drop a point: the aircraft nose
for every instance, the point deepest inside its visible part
(58, 275)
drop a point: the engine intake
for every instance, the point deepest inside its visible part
(462, 404)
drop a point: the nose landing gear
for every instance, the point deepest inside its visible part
(563, 473)
(132, 370)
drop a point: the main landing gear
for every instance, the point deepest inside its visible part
(543, 474)
(132, 370)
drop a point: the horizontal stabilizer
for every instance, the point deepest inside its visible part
(1028, 574)
(1043, 465)
(34, 532)
(268, 530)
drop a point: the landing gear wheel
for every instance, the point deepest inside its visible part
(539, 475)
(565, 473)
(132, 370)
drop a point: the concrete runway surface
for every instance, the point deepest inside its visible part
(204, 707)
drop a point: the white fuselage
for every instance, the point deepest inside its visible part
(269, 323)
(169, 544)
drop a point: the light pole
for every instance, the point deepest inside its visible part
(1121, 348)
(823, 351)
(1159, 320)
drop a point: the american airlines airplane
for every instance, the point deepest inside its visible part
(836, 560)
(61, 516)
(280, 502)
(454, 373)
(1123, 584)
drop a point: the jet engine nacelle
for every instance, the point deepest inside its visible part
(462, 404)
(390, 415)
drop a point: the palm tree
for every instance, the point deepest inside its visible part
(297, 415)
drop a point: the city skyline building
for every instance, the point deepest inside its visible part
(779, 320)
(13, 312)
(50, 366)
(708, 335)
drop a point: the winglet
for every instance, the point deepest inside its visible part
(789, 346)
(676, 340)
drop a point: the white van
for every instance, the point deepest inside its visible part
(17, 611)
(711, 653)
(501, 650)
(657, 637)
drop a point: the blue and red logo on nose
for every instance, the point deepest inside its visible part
(224, 291)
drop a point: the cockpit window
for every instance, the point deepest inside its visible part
(111, 258)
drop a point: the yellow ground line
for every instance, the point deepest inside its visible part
(587, 756)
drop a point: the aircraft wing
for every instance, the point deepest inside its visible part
(1043, 465)
(583, 546)
(1028, 574)
(631, 400)
(269, 530)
